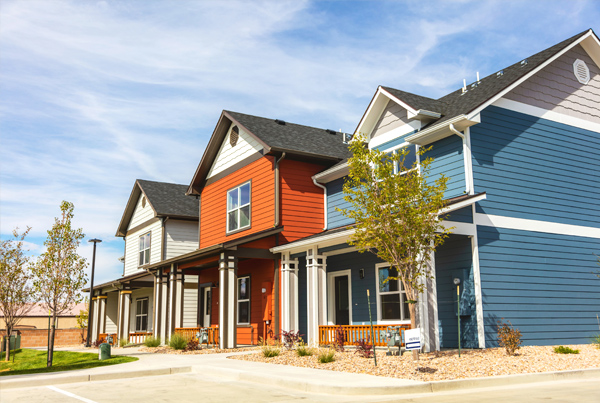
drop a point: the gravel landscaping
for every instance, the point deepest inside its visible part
(445, 365)
(210, 350)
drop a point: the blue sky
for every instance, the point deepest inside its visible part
(95, 94)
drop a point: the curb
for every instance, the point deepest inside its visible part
(422, 387)
(62, 379)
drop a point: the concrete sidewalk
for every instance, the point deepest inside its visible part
(303, 379)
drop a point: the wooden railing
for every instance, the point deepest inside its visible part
(104, 336)
(138, 337)
(189, 332)
(353, 333)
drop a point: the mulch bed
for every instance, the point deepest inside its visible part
(445, 365)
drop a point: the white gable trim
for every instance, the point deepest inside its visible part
(531, 73)
(546, 114)
(375, 108)
(227, 156)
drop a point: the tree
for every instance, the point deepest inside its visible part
(396, 210)
(59, 272)
(16, 291)
(82, 320)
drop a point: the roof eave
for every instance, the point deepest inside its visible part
(442, 130)
(336, 172)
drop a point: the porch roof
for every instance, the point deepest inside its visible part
(121, 280)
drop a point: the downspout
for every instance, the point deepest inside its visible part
(324, 201)
(465, 151)
(276, 301)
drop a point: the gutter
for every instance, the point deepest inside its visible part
(324, 201)
(277, 191)
(466, 151)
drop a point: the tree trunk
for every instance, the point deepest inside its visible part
(7, 346)
(413, 325)
(51, 342)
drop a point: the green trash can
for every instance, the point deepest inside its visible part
(15, 342)
(104, 351)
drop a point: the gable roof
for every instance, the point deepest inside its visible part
(275, 136)
(165, 199)
(457, 103)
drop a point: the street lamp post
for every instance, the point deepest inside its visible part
(89, 330)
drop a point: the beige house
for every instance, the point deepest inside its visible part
(37, 318)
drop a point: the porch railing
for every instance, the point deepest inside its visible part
(353, 333)
(189, 332)
(138, 337)
(104, 337)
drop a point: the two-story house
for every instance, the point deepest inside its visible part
(520, 147)
(159, 223)
(255, 189)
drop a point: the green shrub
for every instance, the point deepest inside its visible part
(596, 340)
(123, 342)
(152, 341)
(565, 350)
(509, 337)
(303, 350)
(178, 342)
(326, 356)
(270, 351)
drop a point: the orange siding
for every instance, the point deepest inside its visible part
(302, 202)
(213, 219)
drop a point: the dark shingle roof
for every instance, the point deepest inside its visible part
(294, 138)
(456, 103)
(169, 199)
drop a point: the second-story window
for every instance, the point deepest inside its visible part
(238, 207)
(144, 249)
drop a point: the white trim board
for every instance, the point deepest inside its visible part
(546, 114)
(331, 295)
(394, 134)
(524, 224)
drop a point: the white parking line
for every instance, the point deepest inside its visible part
(64, 392)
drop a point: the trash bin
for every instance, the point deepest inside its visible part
(15, 342)
(104, 351)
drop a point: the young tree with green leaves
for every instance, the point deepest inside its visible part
(82, 320)
(396, 209)
(16, 291)
(59, 272)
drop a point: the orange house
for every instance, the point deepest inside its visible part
(255, 192)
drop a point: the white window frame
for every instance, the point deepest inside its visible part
(401, 292)
(139, 315)
(249, 300)
(395, 149)
(239, 208)
(142, 252)
(331, 294)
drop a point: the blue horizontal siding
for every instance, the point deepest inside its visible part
(542, 283)
(462, 215)
(448, 159)
(335, 199)
(535, 168)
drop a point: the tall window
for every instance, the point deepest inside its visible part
(243, 300)
(145, 249)
(409, 160)
(238, 207)
(391, 296)
(141, 315)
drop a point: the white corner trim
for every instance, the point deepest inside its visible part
(546, 114)
(524, 224)
(477, 286)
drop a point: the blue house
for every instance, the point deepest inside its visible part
(522, 150)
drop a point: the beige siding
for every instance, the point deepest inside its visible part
(246, 146)
(132, 246)
(137, 294)
(392, 117)
(181, 236)
(112, 312)
(555, 88)
(141, 214)
(190, 302)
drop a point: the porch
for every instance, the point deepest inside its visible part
(354, 333)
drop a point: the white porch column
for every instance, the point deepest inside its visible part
(101, 302)
(316, 282)
(289, 293)
(477, 286)
(160, 303)
(175, 299)
(124, 314)
(93, 319)
(227, 301)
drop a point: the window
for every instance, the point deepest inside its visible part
(238, 208)
(409, 160)
(141, 315)
(145, 249)
(391, 306)
(243, 300)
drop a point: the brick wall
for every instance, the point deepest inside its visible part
(39, 337)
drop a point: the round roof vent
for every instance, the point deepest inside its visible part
(581, 71)
(234, 136)
(143, 202)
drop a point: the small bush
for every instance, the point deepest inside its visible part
(303, 350)
(123, 342)
(596, 340)
(565, 350)
(270, 351)
(192, 345)
(152, 341)
(340, 338)
(289, 339)
(326, 356)
(178, 342)
(364, 348)
(99, 341)
(509, 337)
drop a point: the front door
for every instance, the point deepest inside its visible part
(342, 301)
(206, 304)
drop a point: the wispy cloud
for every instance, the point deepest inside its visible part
(97, 94)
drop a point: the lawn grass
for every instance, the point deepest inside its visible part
(34, 362)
